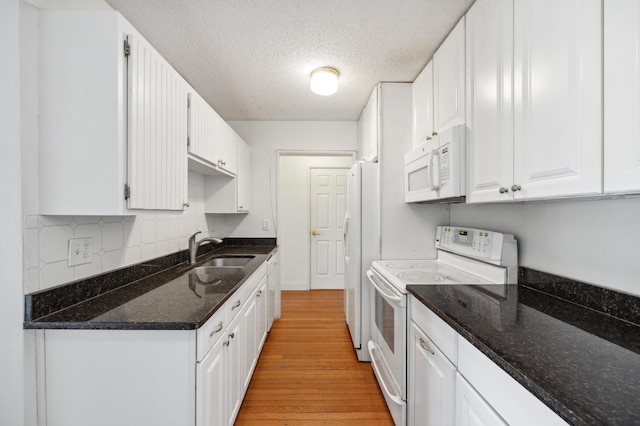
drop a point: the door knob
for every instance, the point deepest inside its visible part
(315, 232)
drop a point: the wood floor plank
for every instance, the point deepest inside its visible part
(308, 373)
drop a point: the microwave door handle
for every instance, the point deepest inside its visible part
(390, 297)
(435, 153)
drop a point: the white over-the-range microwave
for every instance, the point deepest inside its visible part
(435, 170)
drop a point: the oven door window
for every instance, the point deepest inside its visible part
(385, 320)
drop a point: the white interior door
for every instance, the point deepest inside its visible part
(328, 204)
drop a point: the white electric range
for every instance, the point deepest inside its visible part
(464, 256)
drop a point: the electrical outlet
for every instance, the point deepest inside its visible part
(265, 224)
(80, 251)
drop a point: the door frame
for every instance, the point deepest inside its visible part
(279, 224)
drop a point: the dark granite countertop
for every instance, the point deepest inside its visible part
(160, 296)
(583, 364)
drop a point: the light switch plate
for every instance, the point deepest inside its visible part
(80, 251)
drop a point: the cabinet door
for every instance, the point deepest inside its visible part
(243, 179)
(431, 393)
(226, 147)
(422, 105)
(262, 315)
(489, 105)
(233, 360)
(370, 146)
(557, 98)
(449, 81)
(201, 128)
(211, 390)
(249, 339)
(621, 96)
(471, 409)
(157, 162)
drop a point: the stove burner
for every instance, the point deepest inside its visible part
(421, 277)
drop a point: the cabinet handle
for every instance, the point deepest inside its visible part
(428, 138)
(240, 207)
(503, 190)
(186, 204)
(218, 329)
(259, 293)
(226, 343)
(425, 347)
(232, 335)
(515, 187)
(235, 305)
(434, 133)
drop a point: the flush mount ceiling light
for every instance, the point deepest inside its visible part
(324, 81)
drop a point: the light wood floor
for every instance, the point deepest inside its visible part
(308, 373)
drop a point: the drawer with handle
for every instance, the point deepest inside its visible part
(211, 331)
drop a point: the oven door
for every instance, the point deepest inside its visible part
(387, 346)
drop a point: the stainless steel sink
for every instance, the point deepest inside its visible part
(224, 262)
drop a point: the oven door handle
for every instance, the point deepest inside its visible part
(375, 360)
(393, 298)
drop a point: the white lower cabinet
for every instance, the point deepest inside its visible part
(431, 393)
(234, 379)
(451, 382)
(155, 377)
(212, 396)
(471, 409)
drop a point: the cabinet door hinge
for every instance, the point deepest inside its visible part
(188, 100)
(127, 48)
(188, 141)
(127, 191)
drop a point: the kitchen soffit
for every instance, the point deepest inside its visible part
(251, 59)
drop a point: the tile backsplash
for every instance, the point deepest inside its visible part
(116, 241)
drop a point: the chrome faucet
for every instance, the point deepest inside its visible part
(193, 245)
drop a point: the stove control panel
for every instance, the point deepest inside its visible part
(476, 243)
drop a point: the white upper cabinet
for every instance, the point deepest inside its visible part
(556, 148)
(228, 194)
(368, 129)
(422, 105)
(202, 128)
(244, 177)
(226, 147)
(449, 81)
(212, 142)
(157, 130)
(489, 103)
(557, 98)
(621, 96)
(96, 157)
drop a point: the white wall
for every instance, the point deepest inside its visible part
(294, 215)
(265, 138)
(591, 241)
(117, 241)
(11, 297)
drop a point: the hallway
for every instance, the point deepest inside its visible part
(308, 373)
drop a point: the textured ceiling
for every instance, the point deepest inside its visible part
(251, 59)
